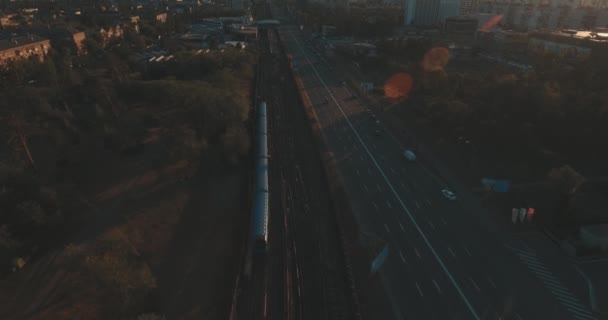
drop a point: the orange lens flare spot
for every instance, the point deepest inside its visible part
(398, 85)
(436, 59)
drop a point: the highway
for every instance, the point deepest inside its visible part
(445, 261)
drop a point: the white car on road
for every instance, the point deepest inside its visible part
(448, 194)
(409, 155)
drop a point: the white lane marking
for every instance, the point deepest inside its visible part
(404, 187)
(541, 270)
(417, 253)
(579, 309)
(419, 291)
(417, 205)
(387, 229)
(431, 224)
(401, 226)
(591, 261)
(443, 220)
(345, 148)
(531, 255)
(429, 202)
(437, 286)
(492, 282)
(518, 316)
(369, 171)
(407, 211)
(374, 145)
(358, 172)
(474, 284)
(361, 157)
(557, 287)
(565, 297)
(389, 204)
(402, 257)
(535, 263)
(467, 250)
(375, 205)
(379, 189)
(452, 252)
(525, 245)
(581, 317)
(393, 170)
(365, 186)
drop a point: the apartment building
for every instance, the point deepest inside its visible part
(530, 15)
(24, 47)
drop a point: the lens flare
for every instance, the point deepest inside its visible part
(398, 85)
(436, 59)
(491, 23)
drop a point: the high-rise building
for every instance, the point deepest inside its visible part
(469, 7)
(448, 8)
(430, 12)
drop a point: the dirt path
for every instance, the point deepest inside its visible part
(196, 277)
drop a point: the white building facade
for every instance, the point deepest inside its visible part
(529, 15)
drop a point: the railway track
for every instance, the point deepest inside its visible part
(302, 276)
(311, 220)
(285, 297)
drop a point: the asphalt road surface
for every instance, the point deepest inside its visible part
(444, 261)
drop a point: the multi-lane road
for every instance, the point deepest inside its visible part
(445, 261)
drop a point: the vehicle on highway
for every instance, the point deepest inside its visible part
(409, 155)
(448, 194)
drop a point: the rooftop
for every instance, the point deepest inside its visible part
(14, 42)
(589, 35)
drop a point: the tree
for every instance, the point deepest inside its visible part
(236, 142)
(133, 39)
(116, 66)
(149, 30)
(65, 68)
(48, 73)
(19, 135)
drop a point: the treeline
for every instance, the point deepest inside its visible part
(69, 117)
(557, 108)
